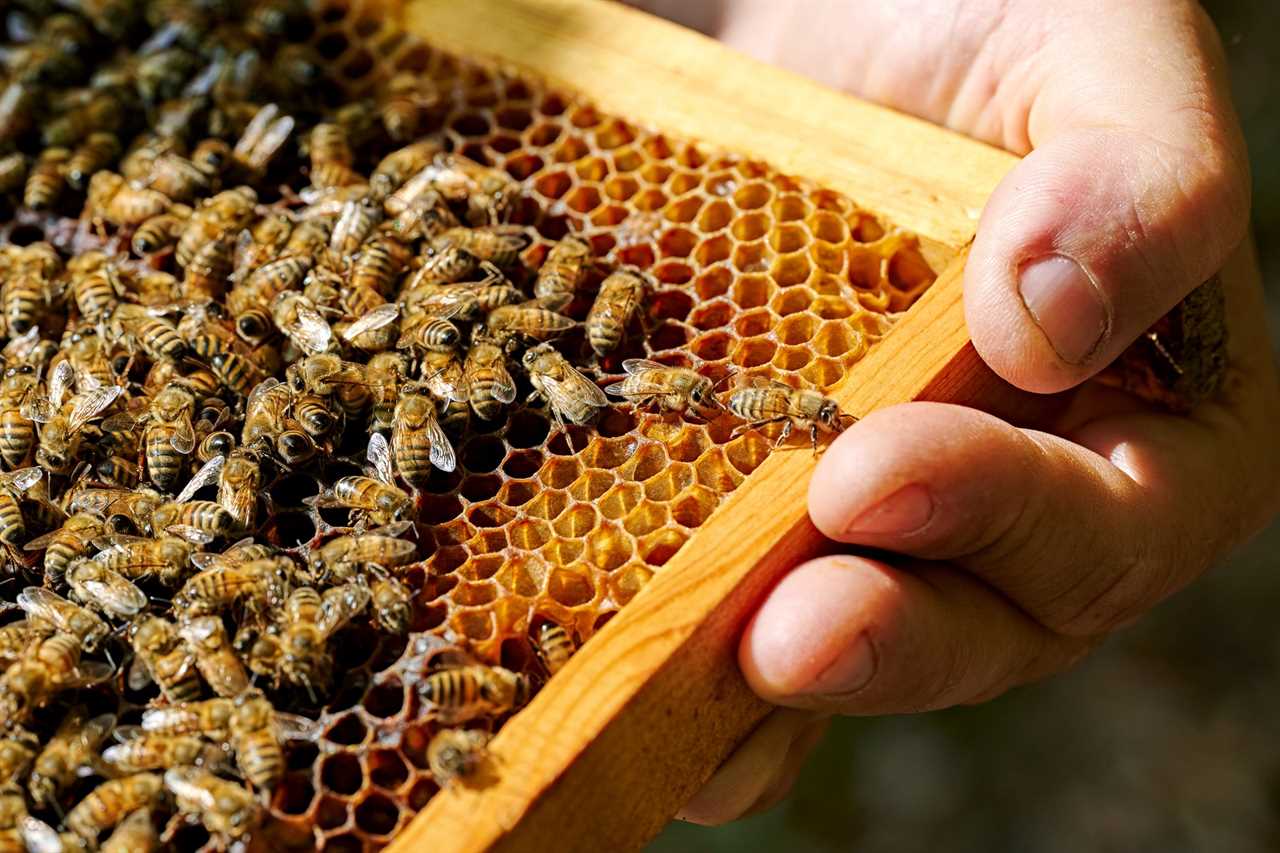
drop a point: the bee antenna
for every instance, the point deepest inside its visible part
(730, 375)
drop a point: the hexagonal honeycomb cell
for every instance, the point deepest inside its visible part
(755, 272)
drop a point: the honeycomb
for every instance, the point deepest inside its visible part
(758, 273)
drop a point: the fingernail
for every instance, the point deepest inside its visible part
(1066, 305)
(904, 511)
(851, 671)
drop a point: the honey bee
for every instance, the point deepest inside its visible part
(671, 389)
(266, 415)
(384, 374)
(50, 666)
(13, 527)
(72, 747)
(455, 754)
(15, 637)
(224, 581)
(224, 808)
(47, 178)
(100, 588)
(488, 382)
(375, 329)
(354, 225)
(206, 271)
(237, 372)
(380, 263)
(13, 172)
(17, 752)
(310, 619)
(17, 101)
(239, 482)
(139, 329)
(462, 693)
(261, 242)
(403, 105)
(30, 289)
(329, 376)
(529, 320)
(554, 646)
(331, 157)
(112, 199)
(343, 557)
(296, 316)
(98, 151)
(451, 266)
(467, 302)
(763, 401)
(169, 436)
(417, 441)
(139, 751)
(211, 157)
(618, 303)
(391, 601)
(196, 521)
(96, 285)
(208, 717)
(165, 558)
(70, 541)
(160, 655)
(215, 657)
(111, 802)
(17, 431)
(316, 416)
(570, 396)
(442, 374)
(487, 193)
(135, 834)
(257, 732)
(177, 178)
(160, 231)
(215, 219)
(563, 271)
(498, 245)
(400, 165)
(378, 496)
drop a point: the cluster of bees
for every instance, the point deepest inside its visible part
(234, 280)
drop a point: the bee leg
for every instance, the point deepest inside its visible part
(756, 425)
(813, 436)
(785, 434)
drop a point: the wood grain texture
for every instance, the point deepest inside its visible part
(925, 179)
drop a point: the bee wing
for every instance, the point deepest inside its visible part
(39, 837)
(138, 677)
(117, 595)
(310, 330)
(207, 474)
(194, 535)
(24, 478)
(41, 542)
(383, 315)
(173, 718)
(639, 365)
(197, 631)
(90, 404)
(204, 560)
(254, 130)
(294, 727)
(87, 674)
(261, 388)
(182, 783)
(38, 409)
(183, 439)
(576, 384)
(124, 734)
(441, 450)
(60, 380)
(340, 604)
(379, 455)
(41, 603)
(96, 730)
(393, 530)
(272, 140)
(121, 421)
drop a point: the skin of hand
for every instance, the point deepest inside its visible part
(1019, 551)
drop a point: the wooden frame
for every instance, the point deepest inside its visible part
(640, 718)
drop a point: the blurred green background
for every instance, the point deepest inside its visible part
(1167, 739)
